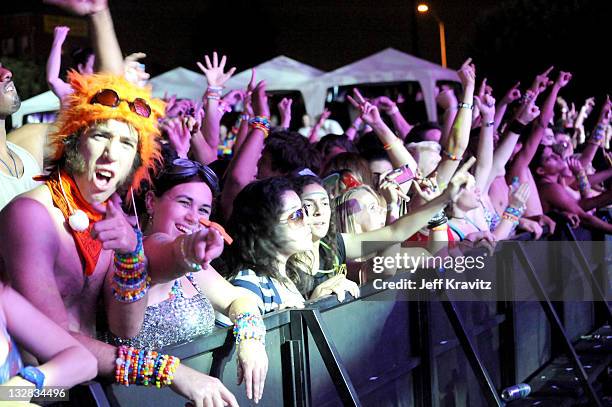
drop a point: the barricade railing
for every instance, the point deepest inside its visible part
(372, 351)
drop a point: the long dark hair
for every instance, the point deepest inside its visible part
(253, 225)
(300, 263)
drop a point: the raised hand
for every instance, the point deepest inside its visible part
(60, 33)
(513, 94)
(284, 107)
(385, 104)
(455, 186)
(467, 74)
(233, 97)
(446, 99)
(324, 116)
(541, 81)
(114, 231)
(253, 367)
(369, 112)
(528, 111)
(214, 71)
(486, 105)
(134, 71)
(589, 104)
(517, 198)
(248, 97)
(80, 7)
(260, 100)
(179, 135)
(563, 79)
(484, 89)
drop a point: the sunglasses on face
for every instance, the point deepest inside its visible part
(110, 98)
(296, 218)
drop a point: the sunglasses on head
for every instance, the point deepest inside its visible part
(296, 218)
(184, 168)
(110, 98)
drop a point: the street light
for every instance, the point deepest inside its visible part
(424, 8)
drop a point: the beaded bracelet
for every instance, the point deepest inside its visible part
(214, 92)
(514, 211)
(260, 123)
(144, 367)
(249, 326)
(510, 218)
(462, 105)
(130, 280)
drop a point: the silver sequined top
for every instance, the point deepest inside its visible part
(175, 320)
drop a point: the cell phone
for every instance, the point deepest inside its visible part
(401, 175)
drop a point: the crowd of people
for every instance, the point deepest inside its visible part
(122, 231)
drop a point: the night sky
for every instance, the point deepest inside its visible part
(509, 39)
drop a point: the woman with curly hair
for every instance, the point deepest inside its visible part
(268, 225)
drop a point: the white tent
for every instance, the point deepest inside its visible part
(45, 102)
(280, 73)
(389, 65)
(183, 83)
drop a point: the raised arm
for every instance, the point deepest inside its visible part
(206, 141)
(526, 154)
(484, 162)
(401, 126)
(447, 100)
(597, 135)
(526, 114)
(57, 86)
(106, 46)
(454, 148)
(407, 225)
(243, 167)
(398, 154)
(284, 107)
(314, 133)
(513, 94)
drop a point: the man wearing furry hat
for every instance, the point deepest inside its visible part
(62, 243)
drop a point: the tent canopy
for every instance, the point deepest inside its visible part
(389, 65)
(45, 102)
(280, 73)
(183, 83)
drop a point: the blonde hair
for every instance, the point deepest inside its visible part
(344, 208)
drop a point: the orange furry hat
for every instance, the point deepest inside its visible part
(77, 112)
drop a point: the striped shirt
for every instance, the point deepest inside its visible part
(271, 292)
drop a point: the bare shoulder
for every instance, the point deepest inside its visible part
(28, 212)
(33, 138)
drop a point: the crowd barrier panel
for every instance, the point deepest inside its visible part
(388, 353)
